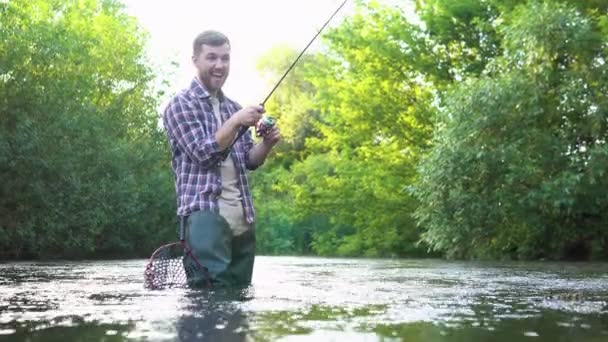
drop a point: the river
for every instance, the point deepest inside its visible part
(310, 299)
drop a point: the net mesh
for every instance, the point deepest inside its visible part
(171, 265)
(165, 269)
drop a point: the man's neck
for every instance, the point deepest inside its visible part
(212, 93)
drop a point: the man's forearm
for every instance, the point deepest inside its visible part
(258, 154)
(226, 134)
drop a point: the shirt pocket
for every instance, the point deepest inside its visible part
(206, 117)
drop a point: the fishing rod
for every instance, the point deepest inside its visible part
(267, 122)
(302, 53)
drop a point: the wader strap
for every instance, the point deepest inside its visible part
(182, 227)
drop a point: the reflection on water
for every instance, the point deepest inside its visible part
(304, 299)
(214, 316)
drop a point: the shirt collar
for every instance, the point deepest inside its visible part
(199, 90)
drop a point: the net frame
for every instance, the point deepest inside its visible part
(171, 265)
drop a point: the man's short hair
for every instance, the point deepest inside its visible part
(211, 38)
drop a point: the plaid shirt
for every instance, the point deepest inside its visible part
(190, 125)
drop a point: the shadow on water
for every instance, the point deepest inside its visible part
(323, 323)
(65, 328)
(548, 326)
(212, 320)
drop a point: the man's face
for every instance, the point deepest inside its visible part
(213, 65)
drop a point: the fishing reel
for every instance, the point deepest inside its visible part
(264, 126)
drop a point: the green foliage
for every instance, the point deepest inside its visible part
(477, 131)
(345, 185)
(512, 93)
(519, 157)
(82, 164)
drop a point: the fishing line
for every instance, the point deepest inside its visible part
(268, 122)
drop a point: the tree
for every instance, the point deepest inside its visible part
(81, 160)
(362, 140)
(520, 154)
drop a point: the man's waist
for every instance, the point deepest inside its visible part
(210, 201)
(187, 207)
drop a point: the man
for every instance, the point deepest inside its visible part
(213, 196)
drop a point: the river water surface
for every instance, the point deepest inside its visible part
(310, 299)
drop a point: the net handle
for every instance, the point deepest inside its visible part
(188, 250)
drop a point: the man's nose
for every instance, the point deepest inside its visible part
(219, 64)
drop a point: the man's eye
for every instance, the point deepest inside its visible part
(226, 58)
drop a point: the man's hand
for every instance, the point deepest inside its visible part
(259, 152)
(272, 137)
(249, 116)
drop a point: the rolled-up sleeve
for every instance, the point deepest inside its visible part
(186, 129)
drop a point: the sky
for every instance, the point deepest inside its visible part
(253, 27)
